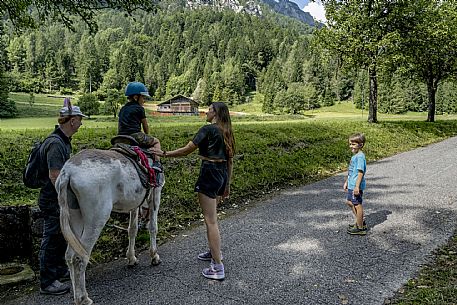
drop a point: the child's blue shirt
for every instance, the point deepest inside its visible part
(358, 162)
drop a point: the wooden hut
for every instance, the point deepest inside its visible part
(178, 105)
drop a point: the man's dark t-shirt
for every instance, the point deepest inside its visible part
(130, 118)
(54, 153)
(210, 142)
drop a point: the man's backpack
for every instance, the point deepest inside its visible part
(34, 174)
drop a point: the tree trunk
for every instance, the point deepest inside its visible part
(373, 103)
(431, 90)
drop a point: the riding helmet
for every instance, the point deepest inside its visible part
(136, 88)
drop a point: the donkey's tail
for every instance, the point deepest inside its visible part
(62, 185)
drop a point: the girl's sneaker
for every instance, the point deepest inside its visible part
(214, 272)
(206, 256)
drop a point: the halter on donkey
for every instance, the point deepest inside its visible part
(91, 184)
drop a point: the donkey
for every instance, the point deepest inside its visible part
(91, 184)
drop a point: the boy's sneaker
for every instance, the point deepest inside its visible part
(56, 288)
(214, 272)
(357, 231)
(206, 256)
(354, 225)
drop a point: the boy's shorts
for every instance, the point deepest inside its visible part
(355, 199)
(143, 139)
(212, 179)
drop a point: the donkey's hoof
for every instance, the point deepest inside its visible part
(133, 264)
(132, 261)
(86, 301)
(155, 260)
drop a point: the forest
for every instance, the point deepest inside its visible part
(226, 56)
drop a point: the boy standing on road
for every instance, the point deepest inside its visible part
(354, 184)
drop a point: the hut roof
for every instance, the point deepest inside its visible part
(179, 98)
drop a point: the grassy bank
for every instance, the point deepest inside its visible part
(269, 153)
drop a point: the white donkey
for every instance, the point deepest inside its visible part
(91, 185)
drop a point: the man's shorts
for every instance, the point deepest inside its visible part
(355, 199)
(212, 179)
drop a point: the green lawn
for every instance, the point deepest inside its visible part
(40, 99)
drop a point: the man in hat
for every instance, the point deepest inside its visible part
(54, 152)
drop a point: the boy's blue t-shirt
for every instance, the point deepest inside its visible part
(358, 162)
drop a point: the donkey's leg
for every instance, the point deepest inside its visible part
(154, 204)
(133, 230)
(77, 264)
(93, 223)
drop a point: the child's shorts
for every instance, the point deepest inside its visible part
(212, 179)
(143, 139)
(355, 199)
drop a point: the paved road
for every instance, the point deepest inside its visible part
(294, 249)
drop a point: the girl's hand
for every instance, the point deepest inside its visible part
(345, 186)
(157, 151)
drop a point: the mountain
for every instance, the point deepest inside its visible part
(249, 7)
(254, 7)
(290, 9)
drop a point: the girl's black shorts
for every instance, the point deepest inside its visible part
(212, 179)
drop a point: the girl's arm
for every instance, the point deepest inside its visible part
(180, 152)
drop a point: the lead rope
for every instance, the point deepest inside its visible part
(152, 181)
(145, 163)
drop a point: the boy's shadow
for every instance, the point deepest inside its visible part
(377, 218)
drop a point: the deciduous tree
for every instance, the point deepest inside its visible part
(30, 13)
(7, 106)
(360, 31)
(429, 45)
(89, 104)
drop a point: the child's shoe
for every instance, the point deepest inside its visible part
(354, 225)
(214, 272)
(357, 231)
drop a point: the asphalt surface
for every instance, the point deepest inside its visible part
(294, 249)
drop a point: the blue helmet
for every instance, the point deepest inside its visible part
(136, 88)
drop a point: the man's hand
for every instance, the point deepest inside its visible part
(226, 192)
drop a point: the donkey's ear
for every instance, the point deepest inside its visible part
(67, 103)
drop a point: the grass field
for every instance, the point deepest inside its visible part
(44, 111)
(272, 152)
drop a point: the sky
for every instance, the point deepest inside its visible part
(314, 8)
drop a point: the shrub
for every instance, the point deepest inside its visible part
(89, 104)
